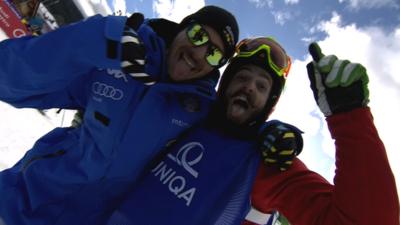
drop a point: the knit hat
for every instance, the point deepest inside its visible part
(221, 21)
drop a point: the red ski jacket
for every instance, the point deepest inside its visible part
(364, 189)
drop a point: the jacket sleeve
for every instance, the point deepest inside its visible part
(364, 190)
(33, 67)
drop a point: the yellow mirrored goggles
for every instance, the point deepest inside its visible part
(266, 48)
(198, 36)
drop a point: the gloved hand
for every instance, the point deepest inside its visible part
(280, 143)
(133, 56)
(338, 85)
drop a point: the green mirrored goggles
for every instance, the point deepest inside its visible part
(198, 36)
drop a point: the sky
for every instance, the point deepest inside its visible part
(364, 31)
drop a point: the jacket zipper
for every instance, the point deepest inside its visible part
(39, 157)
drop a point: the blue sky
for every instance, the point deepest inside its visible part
(294, 22)
(364, 31)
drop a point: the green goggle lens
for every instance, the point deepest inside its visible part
(214, 56)
(198, 36)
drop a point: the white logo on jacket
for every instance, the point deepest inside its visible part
(182, 157)
(179, 122)
(118, 74)
(107, 91)
(187, 157)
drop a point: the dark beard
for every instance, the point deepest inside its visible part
(217, 118)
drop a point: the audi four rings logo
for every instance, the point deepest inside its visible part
(107, 91)
(182, 157)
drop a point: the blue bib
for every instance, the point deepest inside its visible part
(206, 178)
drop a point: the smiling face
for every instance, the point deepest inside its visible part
(247, 93)
(187, 61)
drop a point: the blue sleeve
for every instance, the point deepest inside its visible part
(148, 64)
(33, 67)
(155, 51)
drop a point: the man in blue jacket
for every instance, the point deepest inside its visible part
(207, 174)
(72, 175)
(78, 175)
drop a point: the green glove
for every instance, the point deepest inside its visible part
(280, 144)
(338, 85)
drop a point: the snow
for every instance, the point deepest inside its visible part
(20, 128)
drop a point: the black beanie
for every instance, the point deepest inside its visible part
(221, 21)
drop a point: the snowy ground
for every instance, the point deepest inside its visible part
(19, 128)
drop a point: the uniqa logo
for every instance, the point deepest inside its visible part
(107, 91)
(176, 184)
(193, 150)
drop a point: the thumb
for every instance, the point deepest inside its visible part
(135, 20)
(315, 51)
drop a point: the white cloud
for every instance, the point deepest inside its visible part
(357, 4)
(262, 3)
(270, 3)
(291, 2)
(297, 106)
(119, 7)
(379, 52)
(308, 39)
(176, 10)
(281, 17)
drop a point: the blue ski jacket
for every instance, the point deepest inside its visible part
(78, 175)
(206, 177)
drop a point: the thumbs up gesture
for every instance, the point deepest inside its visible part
(337, 85)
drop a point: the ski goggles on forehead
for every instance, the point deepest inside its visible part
(267, 50)
(198, 36)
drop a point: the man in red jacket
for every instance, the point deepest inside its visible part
(364, 189)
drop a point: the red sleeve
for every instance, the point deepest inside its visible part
(364, 190)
